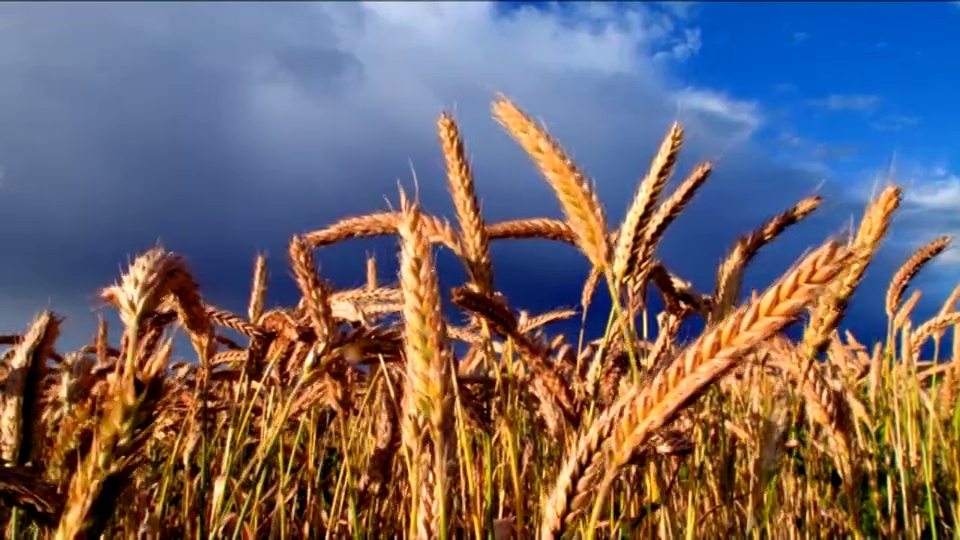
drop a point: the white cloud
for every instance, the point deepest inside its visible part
(930, 208)
(221, 129)
(708, 108)
(680, 9)
(418, 58)
(939, 194)
(684, 47)
(234, 126)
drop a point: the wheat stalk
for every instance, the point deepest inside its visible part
(644, 203)
(576, 196)
(833, 303)
(643, 410)
(427, 411)
(21, 393)
(473, 233)
(905, 274)
(730, 273)
(140, 291)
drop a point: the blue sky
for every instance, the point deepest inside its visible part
(221, 129)
(839, 77)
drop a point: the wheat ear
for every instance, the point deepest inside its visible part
(644, 202)
(665, 214)
(139, 293)
(371, 268)
(427, 410)
(641, 410)
(906, 310)
(258, 289)
(21, 392)
(905, 274)
(833, 303)
(316, 294)
(715, 353)
(947, 307)
(473, 233)
(825, 405)
(730, 273)
(577, 197)
(930, 328)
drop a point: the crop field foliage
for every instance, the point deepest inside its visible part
(368, 413)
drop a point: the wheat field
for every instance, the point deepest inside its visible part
(373, 413)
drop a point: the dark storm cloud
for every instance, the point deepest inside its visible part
(220, 130)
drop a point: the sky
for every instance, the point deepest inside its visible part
(222, 129)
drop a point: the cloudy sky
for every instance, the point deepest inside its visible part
(221, 129)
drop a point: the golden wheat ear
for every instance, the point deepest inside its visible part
(643, 262)
(473, 233)
(627, 424)
(258, 289)
(901, 280)
(316, 294)
(832, 304)
(20, 407)
(644, 203)
(713, 355)
(730, 273)
(138, 296)
(577, 197)
(427, 412)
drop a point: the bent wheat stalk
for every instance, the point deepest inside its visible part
(730, 273)
(832, 305)
(901, 280)
(577, 198)
(713, 355)
(643, 410)
(142, 288)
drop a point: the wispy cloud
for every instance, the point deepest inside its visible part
(938, 192)
(895, 122)
(681, 9)
(836, 151)
(800, 37)
(685, 45)
(711, 110)
(790, 140)
(786, 88)
(811, 151)
(930, 209)
(849, 102)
